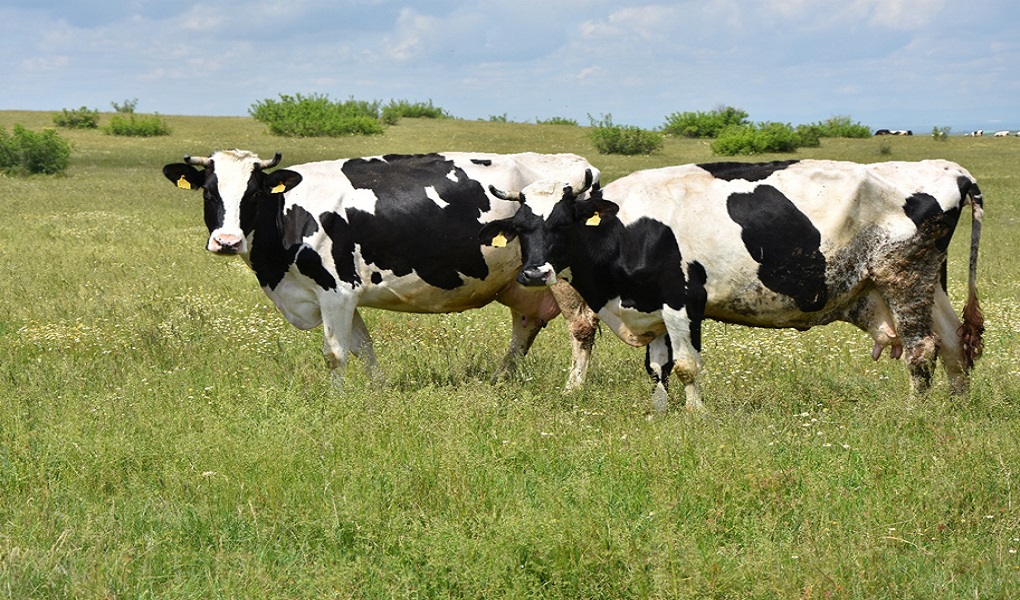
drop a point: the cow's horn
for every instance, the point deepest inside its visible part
(504, 195)
(198, 162)
(269, 164)
(588, 180)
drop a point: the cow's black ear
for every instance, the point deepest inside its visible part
(593, 211)
(184, 176)
(497, 233)
(282, 180)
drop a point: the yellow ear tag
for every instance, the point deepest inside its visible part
(279, 189)
(499, 241)
(183, 183)
(594, 220)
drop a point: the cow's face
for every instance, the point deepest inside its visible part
(235, 187)
(546, 225)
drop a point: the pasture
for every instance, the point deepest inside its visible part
(164, 433)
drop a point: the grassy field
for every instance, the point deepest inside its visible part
(164, 433)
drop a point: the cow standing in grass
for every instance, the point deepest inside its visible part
(783, 244)
(396, 232)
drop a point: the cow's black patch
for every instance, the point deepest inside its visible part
(277, 240)
(411, 232)
(482, 161)
(309, 264)
(376, 277)
(339, 232)
(926, 213)
(730, 171)
(640, 263)
(697, 298)
(781, 239)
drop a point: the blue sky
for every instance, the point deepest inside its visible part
(894, 64)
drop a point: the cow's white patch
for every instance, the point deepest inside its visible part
(433, 195)
(543, 196)
(361, 199)
(452, 176)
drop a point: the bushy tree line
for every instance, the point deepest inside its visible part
(318, 116)
(125, 122)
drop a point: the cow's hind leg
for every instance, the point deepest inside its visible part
(659, 364)
(583, 324)
(523, 334)
(362, 345)
(912, 307)
(948, 327)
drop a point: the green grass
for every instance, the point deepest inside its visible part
(164, 432)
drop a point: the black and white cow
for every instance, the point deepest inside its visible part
(783, 244)
(396, 232)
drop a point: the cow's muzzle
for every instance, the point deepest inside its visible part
(226, 243)
(537, 276)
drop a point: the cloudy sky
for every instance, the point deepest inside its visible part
(912, 64)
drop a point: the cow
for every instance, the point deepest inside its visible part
(1001, 134)
(781, 244)
(395, 232)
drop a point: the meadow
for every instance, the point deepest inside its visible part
(164, 433)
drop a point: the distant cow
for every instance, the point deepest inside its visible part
(978, 133)
(1001, 134)
(783, 244)
(894, 132)
(393, 232)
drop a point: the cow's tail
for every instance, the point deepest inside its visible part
(973, 326)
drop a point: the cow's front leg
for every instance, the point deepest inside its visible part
(686, 357)
(583, 324)
(523, 334)
(338, 324)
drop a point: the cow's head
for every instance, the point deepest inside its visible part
(236, 186)
(546, 223)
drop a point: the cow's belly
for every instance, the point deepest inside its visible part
(411, 294)
(632, 326)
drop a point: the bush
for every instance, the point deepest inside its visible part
(757, 139)
(317, 116)
(557, 121)
(842, 127)
(137, 125)
(398, 109)
(82, 118)
(704, 124)
(622, 139)
(940, 134)
(25, 152)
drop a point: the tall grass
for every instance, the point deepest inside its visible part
(165, 433)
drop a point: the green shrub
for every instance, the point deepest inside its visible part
(25, 152)
(498, 118)
(704, 124)
(810, 136)
(398, 109)
(137, 125)
(610, 138)
(940, 134)
(317, 116)
(842, 126)
(756, 139)
(557, 121)
(81, 118)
